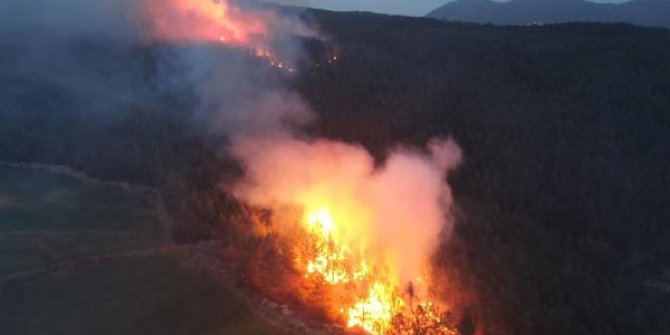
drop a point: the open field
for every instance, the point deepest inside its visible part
(127, 296)
(77, 258)
(46, 219)
(33, 200)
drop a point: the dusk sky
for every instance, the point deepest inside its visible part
(403, 7)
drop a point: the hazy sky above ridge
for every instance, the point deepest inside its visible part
(402, 7)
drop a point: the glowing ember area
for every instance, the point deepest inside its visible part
(328, 259)
(272, 58)
(378, 306)
(366, 234)
(224, 21)
(375, 312)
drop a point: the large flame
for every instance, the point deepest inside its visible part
(367, 233)
(370, 296)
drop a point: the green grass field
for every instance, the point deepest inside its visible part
(37, 200)
(47, 219)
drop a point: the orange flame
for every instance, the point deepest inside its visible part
(344, 267)
(218, 21)
(209, 21)
(364, 238)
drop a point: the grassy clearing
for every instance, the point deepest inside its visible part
(38, 200)
(47, 219)
(133, 296)
(26, 253)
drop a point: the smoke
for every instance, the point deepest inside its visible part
(234, 58)
(398, 210)
(95, 59)
(235, 95)
(73, 55)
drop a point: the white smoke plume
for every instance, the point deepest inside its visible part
(398, 210)
(228, 55)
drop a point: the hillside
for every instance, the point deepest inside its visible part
(562, 224)
(653, 13)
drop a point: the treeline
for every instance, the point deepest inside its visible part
(566, 134)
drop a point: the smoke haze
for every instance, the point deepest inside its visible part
(398, 211)
(229, 67)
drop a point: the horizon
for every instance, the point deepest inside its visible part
(415, 8)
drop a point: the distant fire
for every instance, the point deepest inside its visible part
(223, 21)
(209, 21)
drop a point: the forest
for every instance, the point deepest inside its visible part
(562, 221)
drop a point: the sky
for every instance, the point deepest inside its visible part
(401, 7)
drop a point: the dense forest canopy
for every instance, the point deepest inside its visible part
(565, 130)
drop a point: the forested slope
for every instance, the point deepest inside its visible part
(565, 131)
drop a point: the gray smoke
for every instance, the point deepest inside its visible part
(97, 58)
(78, 53)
